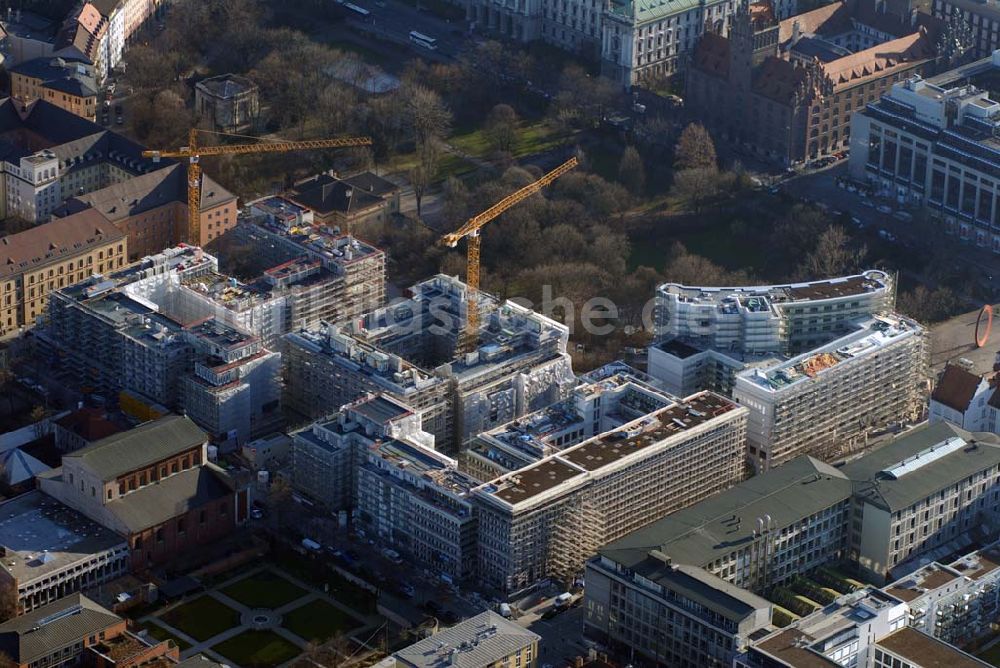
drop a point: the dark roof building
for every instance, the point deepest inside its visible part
(54, 242)
(57, 632)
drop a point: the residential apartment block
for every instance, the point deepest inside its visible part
(67, 85)
(931, 142)
(408, 351)
(867, 629)
(827, 402)
(797, 81)
(67, 156)
(49, 257)
(547, 519)
(706, 335)
(326, 455)
(68, 553)
(155, 486)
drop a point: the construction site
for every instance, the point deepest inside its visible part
(546, 519)
(411, 352)
(829, 401)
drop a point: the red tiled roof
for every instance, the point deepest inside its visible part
(956, 388)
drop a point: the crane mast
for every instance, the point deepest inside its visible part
(470, 231)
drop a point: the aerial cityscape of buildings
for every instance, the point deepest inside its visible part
(262, 413)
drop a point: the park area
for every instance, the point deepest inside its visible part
(263, 617)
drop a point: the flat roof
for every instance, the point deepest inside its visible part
(979, 564)
(479, 641)
(927, 652)
(916, 584)
(598, 452)
(868, 281)
(41, 536)
(788, 646)
(529, 482)
(875, 334)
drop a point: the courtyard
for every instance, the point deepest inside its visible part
(262, 617)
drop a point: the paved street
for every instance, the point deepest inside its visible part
(394, 20)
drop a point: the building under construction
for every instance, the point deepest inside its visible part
(828, 401)
(605, 399)
(545, 520)
(410, 351)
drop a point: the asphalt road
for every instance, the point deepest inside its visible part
(394, 20)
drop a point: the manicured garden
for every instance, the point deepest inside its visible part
(202, 618)
(253, 649)
(265, 589)
(318, 620)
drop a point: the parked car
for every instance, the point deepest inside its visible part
(884, 208)
(904, 216)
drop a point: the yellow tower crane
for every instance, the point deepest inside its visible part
(470, 232)
(192, 154)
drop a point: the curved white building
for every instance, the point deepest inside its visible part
(705, 335)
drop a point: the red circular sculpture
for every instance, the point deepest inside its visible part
(981, 339)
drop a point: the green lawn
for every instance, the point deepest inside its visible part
(344, 591)
(159, 633)
(202, 618)
(251, 649)
(532, 138)
(318, 620)
(265, 589)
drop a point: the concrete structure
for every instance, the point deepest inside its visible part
(67, 85)
(221, 375)
(51, 551)
(670, 614)
(967, 400)
(350, 204)
(931, 142)
(408, 351)
(827, 402)
(547, 519)
(228, 102)
(706, 335)
(42, 259)
(486, 640)
(605, 399)
(326, 455)
(804, 514)
(867, 629)
(415, 500)
(797, 81)
(924, 492)
(155, 486)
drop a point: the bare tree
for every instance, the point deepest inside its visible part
(501, 127)
(424, 173)
(834, 255)
(429, 117)
(695, 186)
(695, 149)
(631, 171)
